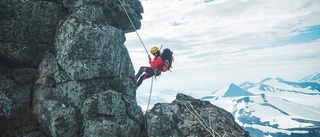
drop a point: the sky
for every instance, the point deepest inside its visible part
(219, 42)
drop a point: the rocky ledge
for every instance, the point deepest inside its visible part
(189, 117)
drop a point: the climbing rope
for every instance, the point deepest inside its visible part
(202, 122)
(142, 45)
(150, 94)
(134, 27)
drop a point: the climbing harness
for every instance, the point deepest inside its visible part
(143, 46)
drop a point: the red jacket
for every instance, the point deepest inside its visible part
(156, 63)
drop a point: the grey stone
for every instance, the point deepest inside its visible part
(14, 106)
(57, 119)
(25, 75)
(187, 116)
(105, 115)
(27, 28)
(55, 55)
(64, 123)
(86, 50)
(112, 127)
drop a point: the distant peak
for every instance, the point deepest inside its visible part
(234, 91)
(265, 80)
(270, 79)
(246, 85)
(315, 77)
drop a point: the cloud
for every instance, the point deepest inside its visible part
(224, 33)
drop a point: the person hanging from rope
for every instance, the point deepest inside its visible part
(147, 72)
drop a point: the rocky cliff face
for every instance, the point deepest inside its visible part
(64, 68)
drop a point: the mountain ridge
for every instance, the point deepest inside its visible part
(282, 100)
(315, 77)
(277, 107)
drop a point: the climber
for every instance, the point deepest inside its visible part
(147, 72)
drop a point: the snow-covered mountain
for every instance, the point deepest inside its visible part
(315, 77)
(273, 107)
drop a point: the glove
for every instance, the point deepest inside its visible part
(149, 57)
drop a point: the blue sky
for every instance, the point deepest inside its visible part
(306, 35)
(219, 42)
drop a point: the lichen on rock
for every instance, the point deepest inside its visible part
(56, 56)
(187, 116)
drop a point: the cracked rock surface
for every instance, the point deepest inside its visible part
(64, 68)
(190, 117)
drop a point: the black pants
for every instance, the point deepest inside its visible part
(148, 72)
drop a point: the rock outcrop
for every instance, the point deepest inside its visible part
(27, 29)
(64, 68)
(189, 117)
(63, 72)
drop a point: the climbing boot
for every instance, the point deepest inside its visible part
(133, 79)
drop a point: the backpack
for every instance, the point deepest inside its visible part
(167, 59)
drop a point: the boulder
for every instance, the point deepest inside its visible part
(187, 116)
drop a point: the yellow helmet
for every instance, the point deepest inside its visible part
(154, 50)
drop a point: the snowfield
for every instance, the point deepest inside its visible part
(272, 107)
